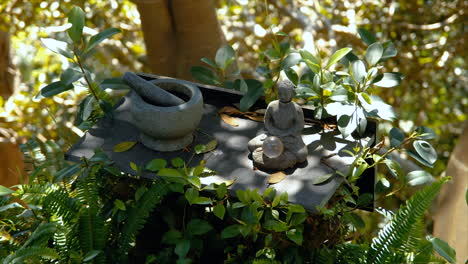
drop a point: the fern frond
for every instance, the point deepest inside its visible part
(265, 261)
(87, 188)
(59, 203)
(391, 238)
(139, 213)
(415, 236)
(34, 193)
(92, 232)
(349, 253)
(23, 254)
(41, 235)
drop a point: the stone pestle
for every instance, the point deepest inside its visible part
(153, 94)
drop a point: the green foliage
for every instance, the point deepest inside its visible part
(138, 215)
(79, 51)
(391, 239)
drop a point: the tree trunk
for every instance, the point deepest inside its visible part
(451, 214)
(11, 160)
(158, 31)
(178, 33)
(198, 33)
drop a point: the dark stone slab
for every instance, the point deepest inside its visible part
(231, 159)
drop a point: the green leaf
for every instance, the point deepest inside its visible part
(366, 36)
(296, 208)
(139, 192)
(76, 18)
(308, 56)
(195, 181)
(389, 50)
(106, 106)
(224, 56)
(340, 94)
(114, 84)
(191, 195)
(396, 137)
(374, 53)
(53, 89)
(171, 237)
(91, 255)
(182, 248)
(124, 146)
(419, 177)
(416, 156)
(347, 124)
(291, 60)
(338, 55)
(70, 76)
(358, 71)
(395, 169)
(389, 79)
(168, 172)
(204, 75)
(444, 249)
(273, 54)
(100, 37)
(364, 97)
(85, 108)
(177, 162)
(209, 62)
(255, 92)
(292, 75)
(219, 210)
(243, 87)
(59, 47)
(200, 148)
(315, 68)
(230, 231)
(425, 151)
(156, 165)
(202, 200)
(295, 235)
(198, 227)
(120, 205)
(221, 190)
(133, 166)
(5, 191)
(357, 220)
(322, 178)
(425, 133)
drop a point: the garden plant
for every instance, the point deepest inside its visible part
(90, 212)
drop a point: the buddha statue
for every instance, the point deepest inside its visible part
(281, 146)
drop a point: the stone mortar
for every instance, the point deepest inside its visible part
(168, 128)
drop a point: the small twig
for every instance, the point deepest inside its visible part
(78, 60)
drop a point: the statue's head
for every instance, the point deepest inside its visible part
(285, 91)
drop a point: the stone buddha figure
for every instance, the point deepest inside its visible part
(281, 146)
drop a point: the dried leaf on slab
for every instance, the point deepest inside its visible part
(124, 146)
(232, 111)
(229, 120)
(276, 177)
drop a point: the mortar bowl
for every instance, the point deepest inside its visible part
(168, 128)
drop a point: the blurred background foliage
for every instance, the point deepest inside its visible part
(429, 36)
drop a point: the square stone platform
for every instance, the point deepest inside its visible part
(231, 159)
